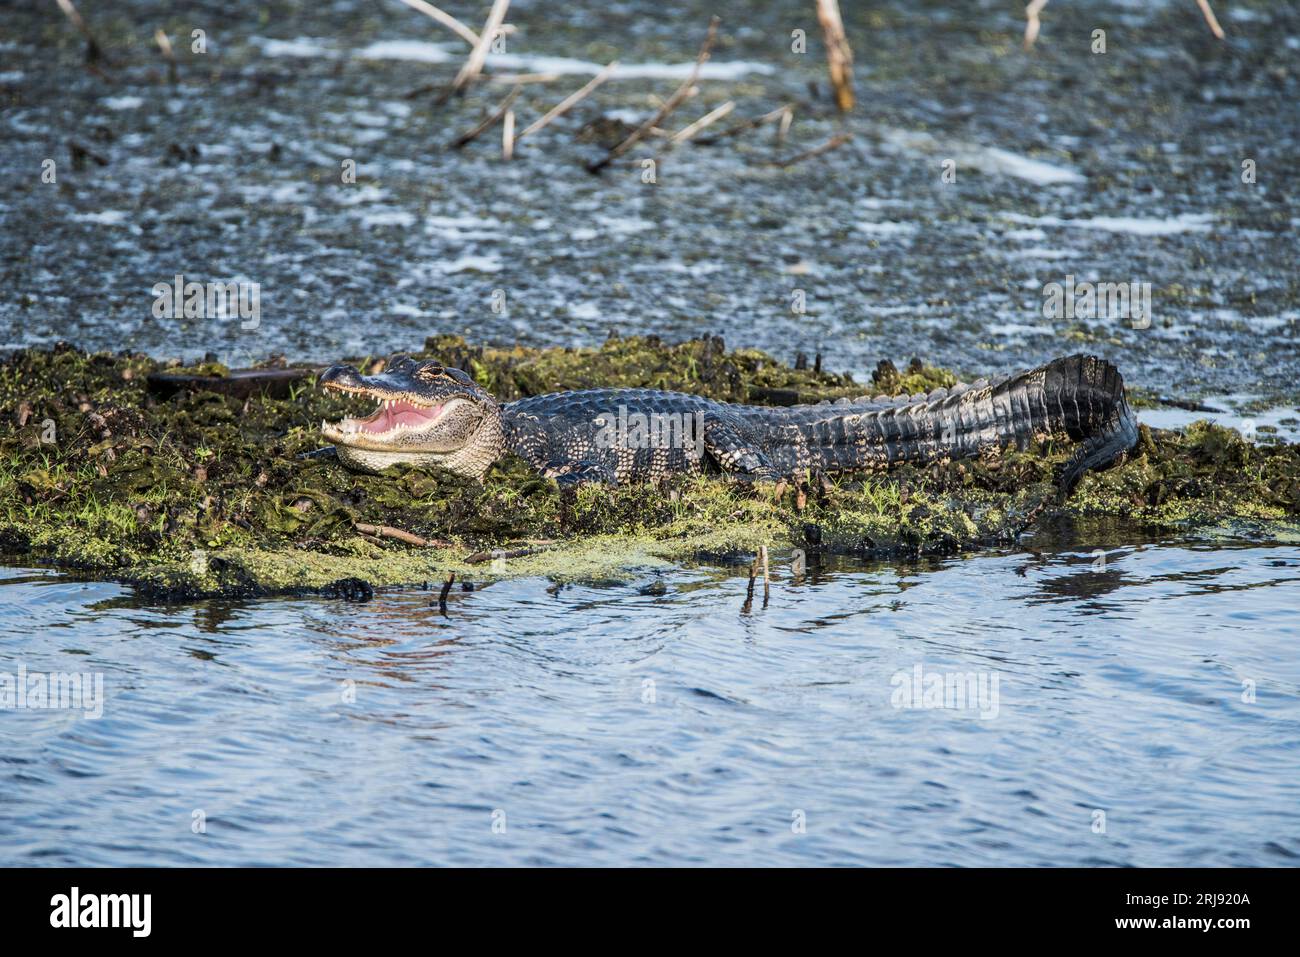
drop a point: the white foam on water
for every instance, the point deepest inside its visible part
(1170, 226)
(1040, 253)
(419, 51)
(289, 193)
(388, 217)
(124, 102)
(301, 47)
(624, 225)
(1017, 329)
(462, 228)
(994, 160)
(986, 159)
(423, 51)
(355, 195)
(470, 264)
(875, 202)
(109, 217)
(886, 228)
(585, 310)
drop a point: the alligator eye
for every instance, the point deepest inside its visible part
(429, 372)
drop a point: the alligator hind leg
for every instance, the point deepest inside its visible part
(736, 457)
(1098, 452)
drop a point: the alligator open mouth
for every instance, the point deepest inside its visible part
(393, 415)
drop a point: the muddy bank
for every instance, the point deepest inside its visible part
(201, 492)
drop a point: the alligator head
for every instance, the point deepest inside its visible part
(427, 415)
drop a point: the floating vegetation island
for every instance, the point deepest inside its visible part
(107, 465)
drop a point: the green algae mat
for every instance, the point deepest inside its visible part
(108, 466)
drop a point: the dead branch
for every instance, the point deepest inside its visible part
(487, 122)
(1032, 24)
(165, 45)
(446, 19)
(474, 65)
(749, 124)
(479, 558)
(508, 135)
(570, 101)
(707, 119)
(679, 95)
(93, 50)
(839, 56)
(442, 595)
(835, 142)
(524, 77)
(1210, 18)
(387, 531)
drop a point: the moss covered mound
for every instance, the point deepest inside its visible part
(201, 492)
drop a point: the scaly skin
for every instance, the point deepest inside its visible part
(593, 435)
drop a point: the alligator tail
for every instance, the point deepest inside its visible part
(1079, 396)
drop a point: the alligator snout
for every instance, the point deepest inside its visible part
(342, 375)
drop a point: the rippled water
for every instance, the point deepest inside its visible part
(607, 724)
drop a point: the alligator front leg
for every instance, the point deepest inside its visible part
(735, 456)
(584, 472)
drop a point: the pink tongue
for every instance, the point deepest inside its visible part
(403, 414)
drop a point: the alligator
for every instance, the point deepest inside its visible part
(434, 416)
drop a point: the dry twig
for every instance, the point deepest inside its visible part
(93, 50)
(708, 118)
(474, 65)
(488, 121)
(1032, 24)
(569, 101)
(839, 56)
(524, 77)
(780, 113)
(387, 531)
(165, 45)
(479, 557)
(670, 104)
(508, 135)
(1210, 18)
(835, 142)
(446, 19)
